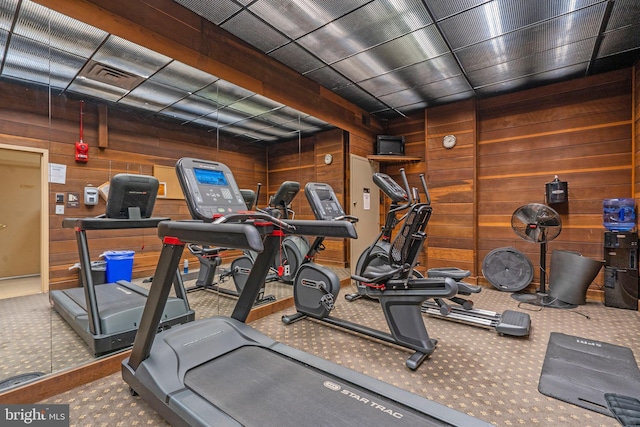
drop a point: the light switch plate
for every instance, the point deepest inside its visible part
(59, 209)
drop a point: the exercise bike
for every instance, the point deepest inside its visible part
(292, 248)
(316, 287)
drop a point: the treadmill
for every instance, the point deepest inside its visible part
(220, 371)
(107, 315)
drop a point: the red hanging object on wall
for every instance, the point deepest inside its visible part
(82, 149)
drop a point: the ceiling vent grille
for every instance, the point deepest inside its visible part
(109, 75)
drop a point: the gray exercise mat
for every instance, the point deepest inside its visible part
(580, 371)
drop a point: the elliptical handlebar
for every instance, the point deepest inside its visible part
(425, 189)
(406, 187)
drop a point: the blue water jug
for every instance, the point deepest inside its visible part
(619, 214)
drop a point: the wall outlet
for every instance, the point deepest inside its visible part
(59, 209)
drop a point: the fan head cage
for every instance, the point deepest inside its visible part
(536, 223)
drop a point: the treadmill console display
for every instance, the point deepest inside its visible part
(390, 187)
(210, 177)
(131, 196)
(209, 188)
(323, 201)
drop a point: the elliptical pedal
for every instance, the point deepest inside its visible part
(514, 323)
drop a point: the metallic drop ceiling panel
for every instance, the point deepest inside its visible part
(57, 31)
(560, 57)
(215, 11)
(328, 77)
(182, 76)
(444, 8)
(499, 17)
(32, 61)
(615, 62)
(7, 11)
(3, 43)
(360, 97)
(624, 39)
(132, 58)
(97, 90)
(255, 105)
(424, 72)
(295, 57)
(550, 34)
(224, 93)
(371, 25)
(298, 17)
(527, 82)
(418, 107)
(256, 136)
(254, 31)
(415, 47)
(625, 12)
(191, 107)
(153, 96)
(433, 90)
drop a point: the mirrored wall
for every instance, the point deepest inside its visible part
(65, 82)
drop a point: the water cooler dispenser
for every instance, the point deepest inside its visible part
(621, 269)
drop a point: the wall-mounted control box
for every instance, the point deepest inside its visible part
(91, 196)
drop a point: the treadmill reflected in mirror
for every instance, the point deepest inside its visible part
(107, 315)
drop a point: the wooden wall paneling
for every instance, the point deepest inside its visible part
(452, 185)
(579, 130)
(636, 131)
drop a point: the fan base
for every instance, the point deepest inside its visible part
(542, 300)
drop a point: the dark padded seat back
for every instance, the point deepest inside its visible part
(409, 241)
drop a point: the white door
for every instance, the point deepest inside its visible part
(365, 205)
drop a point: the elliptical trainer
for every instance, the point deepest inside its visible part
(377, 253)
(316, 287)
(509, 322)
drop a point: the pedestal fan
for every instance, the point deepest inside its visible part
(538, 223)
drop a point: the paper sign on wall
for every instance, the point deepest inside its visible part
(57, 173)
(366, 199)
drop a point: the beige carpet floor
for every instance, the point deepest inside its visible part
(473, 370)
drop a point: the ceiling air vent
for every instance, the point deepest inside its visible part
(109, 75)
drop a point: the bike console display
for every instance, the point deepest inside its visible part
(323, 201)
(391, 188)
(209, 188)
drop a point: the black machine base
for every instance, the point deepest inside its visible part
(542, 300)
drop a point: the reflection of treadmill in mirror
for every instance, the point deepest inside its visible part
(107, 315)
(220, 371)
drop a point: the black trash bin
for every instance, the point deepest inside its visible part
(98, 272)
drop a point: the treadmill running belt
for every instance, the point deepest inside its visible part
(110, 297)
(266, 389)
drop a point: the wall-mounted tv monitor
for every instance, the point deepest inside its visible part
(131, 196)
(390, 145)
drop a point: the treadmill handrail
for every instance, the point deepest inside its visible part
(236, 236)
(95, 223)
